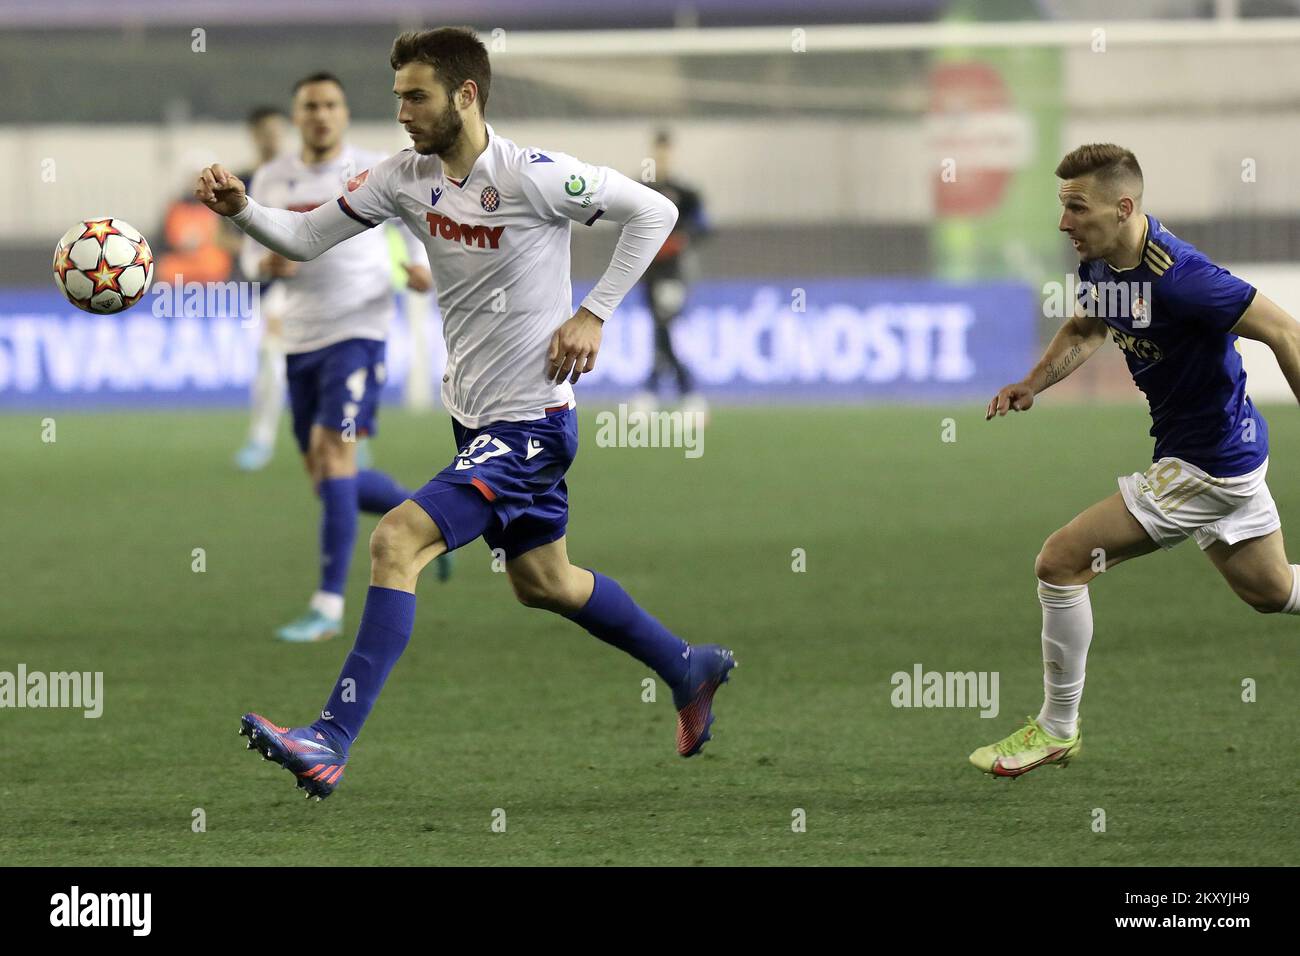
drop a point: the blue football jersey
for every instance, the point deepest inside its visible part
(1171, 315)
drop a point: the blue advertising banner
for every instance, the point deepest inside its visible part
(835, 340)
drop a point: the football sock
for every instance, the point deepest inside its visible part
(615, 618)
(268, 394)
(1067, 632)
(1293, 604)
(328, 603)
(338, 531)
(386, 624)
(378, 493)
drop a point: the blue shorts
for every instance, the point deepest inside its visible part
(334, 386)
(506, 484)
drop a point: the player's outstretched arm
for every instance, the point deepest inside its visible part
(1073, 344)
(295, 235)
(1265, 321)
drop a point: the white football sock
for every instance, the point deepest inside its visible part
(1067, 632)
(328, 603)
(268, 393)
(1293, 605)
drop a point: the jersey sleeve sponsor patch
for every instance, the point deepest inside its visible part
(559, 186)
(368, 196)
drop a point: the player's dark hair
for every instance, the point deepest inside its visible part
(323, 76)
(259, 113)
(455, 53)
(1111, 164)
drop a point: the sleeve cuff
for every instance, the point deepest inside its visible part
(245, 214)
(1254, 291)
(597, 309)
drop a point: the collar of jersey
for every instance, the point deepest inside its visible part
(1142, 249)
(461, 184)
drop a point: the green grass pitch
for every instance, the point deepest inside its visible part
(918, 551)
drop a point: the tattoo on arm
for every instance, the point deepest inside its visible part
(1058, 370)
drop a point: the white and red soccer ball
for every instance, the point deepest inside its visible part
(103, 265)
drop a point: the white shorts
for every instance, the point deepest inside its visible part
(1175, 500)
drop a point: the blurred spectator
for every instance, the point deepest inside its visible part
(192, 239)
(667, 279)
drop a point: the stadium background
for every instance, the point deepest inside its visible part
(818, 140)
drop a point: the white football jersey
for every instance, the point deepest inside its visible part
(345, 293)
(498, 244)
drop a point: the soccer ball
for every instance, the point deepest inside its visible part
(103, 265)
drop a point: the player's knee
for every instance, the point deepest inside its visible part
(535, 592)
(1056, 563)
(335, 457)
(545, 590)
(1267, 599)
(391, 544)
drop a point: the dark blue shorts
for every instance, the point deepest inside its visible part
(334, 386)
(506, 484)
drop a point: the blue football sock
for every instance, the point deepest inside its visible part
(616, 619)
(338, 531)
(385, 630)
(378, 493)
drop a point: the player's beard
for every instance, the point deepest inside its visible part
(443, 134)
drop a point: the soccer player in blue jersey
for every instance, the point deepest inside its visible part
(495, 218)
(1176, 316)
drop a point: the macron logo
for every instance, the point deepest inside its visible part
(102, 909)
(485, 237)
(534, 448)
(436, 194)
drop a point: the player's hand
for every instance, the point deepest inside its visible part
(1017, 398)
(418, 278)
(574, 346)
(277, 266)
(220, 191)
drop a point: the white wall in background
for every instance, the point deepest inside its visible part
(814, 171)
(1281, 283)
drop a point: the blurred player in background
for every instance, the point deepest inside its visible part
(495, 217)
(336, 313)
(1176, 316)
(267, 126)
(668, 278)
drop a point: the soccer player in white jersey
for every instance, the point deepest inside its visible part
(495, 218)
(335, 312)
